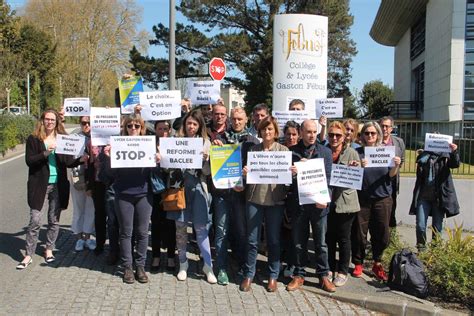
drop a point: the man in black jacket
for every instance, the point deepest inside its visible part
(315, 214)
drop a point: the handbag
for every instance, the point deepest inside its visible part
(156, 181)
(173, 199)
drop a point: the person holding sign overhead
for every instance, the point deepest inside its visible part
(197, 197)
(434, 194)
(264, 201)
(375, 200)
(134, 201)
(48, 186)
(343, 208)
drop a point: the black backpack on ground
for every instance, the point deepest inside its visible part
(407, 274)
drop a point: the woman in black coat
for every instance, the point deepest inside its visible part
(47, 186)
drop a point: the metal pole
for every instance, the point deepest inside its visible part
(28, 91)
(172, 49)
(8, 99)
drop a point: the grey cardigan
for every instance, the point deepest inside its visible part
(278, 191)
(344, 199)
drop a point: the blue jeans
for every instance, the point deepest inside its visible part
(273, 217)
(300, 234)
(425, 209)
(229, 209)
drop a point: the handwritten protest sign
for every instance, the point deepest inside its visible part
(438, 142)
(380, 156)
(132, 151)
(77, 107)
(226, 166)
(269, 167)
(300, 59)
(204, 92)
(128, 90)
(73, 144)
(160, 105)
(330, 108)
(312, 182)
(185, 153)
(104, 123)
(346, 177)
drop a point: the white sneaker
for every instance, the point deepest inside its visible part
(288, 272)
(79, 245)
(91, 244)
(183, 271)
(340, 279)
(211, 278)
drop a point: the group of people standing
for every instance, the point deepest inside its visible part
(123, 201)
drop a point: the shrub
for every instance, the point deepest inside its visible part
(14, 129)
(450, 266)
(395, 245)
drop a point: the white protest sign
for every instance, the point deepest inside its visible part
(160, 105)
(73, 144)
(77, 107)
(312, 182)
(438, 142)
(346, 177)
(285, 116)
(380, 156)
(104, 123)
(269, 167)
(300, 59)
(330, 108)
(132, 151)
(204, 92)
(181, 153)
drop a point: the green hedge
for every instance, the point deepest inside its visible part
(14, 129)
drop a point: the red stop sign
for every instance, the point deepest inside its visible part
(217, 68)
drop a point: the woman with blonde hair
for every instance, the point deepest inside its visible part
(48, 186)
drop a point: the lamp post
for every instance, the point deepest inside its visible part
(172, 49)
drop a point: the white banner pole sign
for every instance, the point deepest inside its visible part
(269, 167)
(104, 124)
(380, 156)
(204, 92)
(312, 182)
(132, 151)
(73, 144)
(346, 177)
(300, 59)
(160, 105)
(77, 107)
(330, 108)
(181, 153)
(438, 142)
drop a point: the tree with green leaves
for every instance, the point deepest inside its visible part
(374, 98)
(241, 32)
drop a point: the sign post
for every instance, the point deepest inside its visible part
(217, 69)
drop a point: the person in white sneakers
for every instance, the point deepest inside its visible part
(197, 199)
(83, 206)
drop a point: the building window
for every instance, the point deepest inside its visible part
(419, 85)
(417, 41)
(469, 63)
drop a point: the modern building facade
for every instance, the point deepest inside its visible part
(232, 96)
(434, 57)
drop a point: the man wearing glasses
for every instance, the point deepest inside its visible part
(386, 123)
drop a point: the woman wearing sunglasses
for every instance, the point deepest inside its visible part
(133, 200)
(344, 206)
(375, 201)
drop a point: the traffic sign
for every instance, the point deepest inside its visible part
(217, 68)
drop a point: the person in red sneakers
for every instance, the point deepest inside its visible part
(375, 201)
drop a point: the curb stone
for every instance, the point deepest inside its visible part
(386, 305)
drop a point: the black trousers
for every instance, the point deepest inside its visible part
(163, 230)
(98, 196)
(339, 232)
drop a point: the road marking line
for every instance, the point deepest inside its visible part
(12, 158)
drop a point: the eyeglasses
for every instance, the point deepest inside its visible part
(85, 123)
(332, 135)
(349, 130)
(370, 133)
(136, 126)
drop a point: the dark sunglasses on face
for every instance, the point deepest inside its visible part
(331, 135)
(137, 126)
(370, 133)
(84, 123)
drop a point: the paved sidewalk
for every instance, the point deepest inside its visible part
(80, 283)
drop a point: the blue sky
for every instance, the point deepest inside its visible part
(374, 61)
